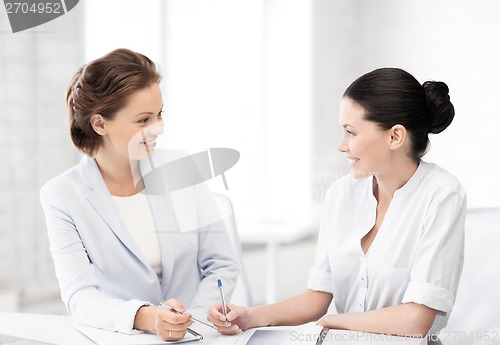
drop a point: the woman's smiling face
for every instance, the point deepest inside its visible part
(365, 144)
(133, 130)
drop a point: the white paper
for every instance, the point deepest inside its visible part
(305, 334)
(103, 337)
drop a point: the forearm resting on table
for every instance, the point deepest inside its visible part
(410, 319)
(306, 307)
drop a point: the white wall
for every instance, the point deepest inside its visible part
(113, 24)
(35, 68)
(239, 75)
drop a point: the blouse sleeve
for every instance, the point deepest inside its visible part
(437, 266)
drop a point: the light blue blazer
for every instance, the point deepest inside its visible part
(103, 276)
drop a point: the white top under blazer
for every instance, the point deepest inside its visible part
(103, 275)
(417, 255)
(137, 217)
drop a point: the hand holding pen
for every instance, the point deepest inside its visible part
(171, 325)
(182, 313)
(227, 318)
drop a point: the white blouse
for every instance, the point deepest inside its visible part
(137, 216)
(416, 256)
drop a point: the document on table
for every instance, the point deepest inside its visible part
(309, 334)
(101, 336)
(305, 334)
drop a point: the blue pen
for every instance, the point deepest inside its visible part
(224, 310)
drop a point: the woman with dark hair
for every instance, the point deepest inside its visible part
(390, 246)
(118, 245)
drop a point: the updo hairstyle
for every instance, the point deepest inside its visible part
(391, 96)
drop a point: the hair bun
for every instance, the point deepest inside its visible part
(441, 110)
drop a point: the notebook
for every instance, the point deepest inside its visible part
(101, 336)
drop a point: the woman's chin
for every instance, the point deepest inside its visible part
(142, 154)
(358, 174)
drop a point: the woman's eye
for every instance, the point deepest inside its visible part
(349, 133)
(160, 114)
(142, 121)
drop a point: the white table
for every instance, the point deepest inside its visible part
(54, 329)
(273, 236)
(57, 329)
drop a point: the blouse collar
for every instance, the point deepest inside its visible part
(409, 186)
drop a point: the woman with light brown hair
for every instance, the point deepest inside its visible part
(118, 248)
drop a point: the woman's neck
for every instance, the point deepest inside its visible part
(122, 176)
(399, 173)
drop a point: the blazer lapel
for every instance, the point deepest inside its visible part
(101, 201)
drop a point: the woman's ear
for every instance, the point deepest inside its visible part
(398, 136)
(98, 124)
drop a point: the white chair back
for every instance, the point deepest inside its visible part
(241, 295)
(477, 306)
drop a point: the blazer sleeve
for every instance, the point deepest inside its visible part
(79, 285)
(216, 256)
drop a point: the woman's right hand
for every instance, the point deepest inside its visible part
(165, 322)
(169, 324)
(237, 320)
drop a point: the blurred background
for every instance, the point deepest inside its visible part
(264, 77)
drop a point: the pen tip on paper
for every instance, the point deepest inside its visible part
(219, 283)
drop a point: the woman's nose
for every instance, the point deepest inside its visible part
(342, 147)
(156, 128)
